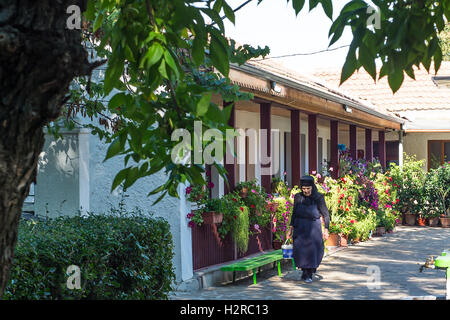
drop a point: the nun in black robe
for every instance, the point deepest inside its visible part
(308, 247)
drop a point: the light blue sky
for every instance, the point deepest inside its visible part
(273, 23)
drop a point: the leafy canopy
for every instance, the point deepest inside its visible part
(168, 58)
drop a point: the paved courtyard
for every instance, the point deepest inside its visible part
(351, 273)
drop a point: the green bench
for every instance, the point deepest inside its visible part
(256, 263)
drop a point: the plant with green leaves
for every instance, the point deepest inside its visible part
(437, 188)
(409, 180)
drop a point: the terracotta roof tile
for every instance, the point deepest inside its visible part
(419, 94)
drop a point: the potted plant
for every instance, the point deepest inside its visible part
(438, 190)
(281, 219)
(333, 236)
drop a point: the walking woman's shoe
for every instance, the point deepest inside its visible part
(308, 280)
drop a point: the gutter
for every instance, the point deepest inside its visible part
(308, 89)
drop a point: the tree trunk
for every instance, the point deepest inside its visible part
(39, 57)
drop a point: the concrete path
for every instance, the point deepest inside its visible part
(352, 273)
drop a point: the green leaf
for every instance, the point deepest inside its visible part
(219, 54)
(367, 61)
(132, 176)
(313, 4)
(395, 79)
(298, 5)
(327, 8)
(437, 59)
(350, 65)
(118, 100)
(171, 63)
(98, 22)
(153, 55)
(229, 13)
(119, 178)
(115, 148)
(203, 104)
(90, 10)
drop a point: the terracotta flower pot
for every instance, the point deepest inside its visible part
(433, 221)
(422, 222)
(333, 240)
(212, 217)
(276, 244)
(410, 219)
(445, 222)
(343, 240)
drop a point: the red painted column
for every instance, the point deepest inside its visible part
(353, 145)
(369, 148)
(312, 141)
(295, 147)
(265, 123)
(334, 157)
(230, 166)
(382, 148)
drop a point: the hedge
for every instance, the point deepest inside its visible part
(120, 257)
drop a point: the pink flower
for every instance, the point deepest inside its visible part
(314, 172)
(253, 190)
(191, 224)
(210, 185)
(188, 190)
(331, 169)
(190, 215)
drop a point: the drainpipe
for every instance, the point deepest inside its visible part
(400, 147)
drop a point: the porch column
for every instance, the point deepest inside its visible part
(230, 160)
(334, 156)
(295, 146)
(312, 141)
(382, 148)
(369, 147)
(353, 145)
(400, 148)
(266, 158)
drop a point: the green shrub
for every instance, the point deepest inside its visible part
(120, 257)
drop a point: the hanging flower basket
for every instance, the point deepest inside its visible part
(211, 217)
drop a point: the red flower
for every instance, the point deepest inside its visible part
(352, 221)
(191, 224)
(188, 190)
(252, 206)
(210, 185)
(234, 199)
(342, 207)
(346, 209)
(339, 201)
(234, 217)
(397, 200)
(242, 209)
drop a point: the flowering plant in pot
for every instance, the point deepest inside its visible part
(438, 190)
(281, 219)
(409, 181)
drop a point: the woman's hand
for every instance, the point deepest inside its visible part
(325, 234)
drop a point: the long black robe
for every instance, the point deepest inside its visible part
(308, 239)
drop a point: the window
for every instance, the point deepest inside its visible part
(438, 153)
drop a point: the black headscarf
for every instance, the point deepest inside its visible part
(308, 181)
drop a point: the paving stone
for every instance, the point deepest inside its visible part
(345, 275)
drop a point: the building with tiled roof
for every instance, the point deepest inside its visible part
(423, 102)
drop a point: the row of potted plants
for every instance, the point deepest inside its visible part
(364, 201)
(425, 195)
